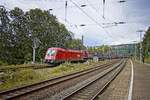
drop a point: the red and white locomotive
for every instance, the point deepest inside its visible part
(59, 55)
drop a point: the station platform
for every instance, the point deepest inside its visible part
(141, 83)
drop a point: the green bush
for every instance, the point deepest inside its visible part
(63, 68)
(18, 77)
(2, 63)
(25, 75)
(147, 60)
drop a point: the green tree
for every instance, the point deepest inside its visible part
(47, 29)
(20, 31)
(5, 36)
(74, 44)
(146, 44)
(21, 42)
(99, 49)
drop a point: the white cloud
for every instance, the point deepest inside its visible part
(94, 34)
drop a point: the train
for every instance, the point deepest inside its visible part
(55, 55)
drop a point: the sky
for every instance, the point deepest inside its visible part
(97, 30)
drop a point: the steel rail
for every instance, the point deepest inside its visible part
(13, 93)
(106, 84)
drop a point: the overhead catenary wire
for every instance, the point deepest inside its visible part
(92, 6)
(86, 15)
(92, 19)
(96, 10)
(103, 26)
(103, 16)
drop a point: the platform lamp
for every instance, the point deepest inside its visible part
(135, 47)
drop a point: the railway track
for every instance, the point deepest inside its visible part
(31, 89)
(92, 89)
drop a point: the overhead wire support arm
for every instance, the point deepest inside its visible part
(66, 5)
(104, 9)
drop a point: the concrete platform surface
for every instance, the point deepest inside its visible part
(141, 83)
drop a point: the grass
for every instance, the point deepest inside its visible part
(22, 77)
(19, 77)
(147, 60)
(5, 67)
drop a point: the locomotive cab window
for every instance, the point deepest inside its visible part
(51, 52)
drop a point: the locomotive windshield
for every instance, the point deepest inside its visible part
(51, 52)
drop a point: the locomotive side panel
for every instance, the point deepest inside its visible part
(59, 55)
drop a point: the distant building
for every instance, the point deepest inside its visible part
(123, 50)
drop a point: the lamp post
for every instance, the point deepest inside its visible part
(110, 53)
(135, 47)
(135, 51)
(141, 48)
(82, 38)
